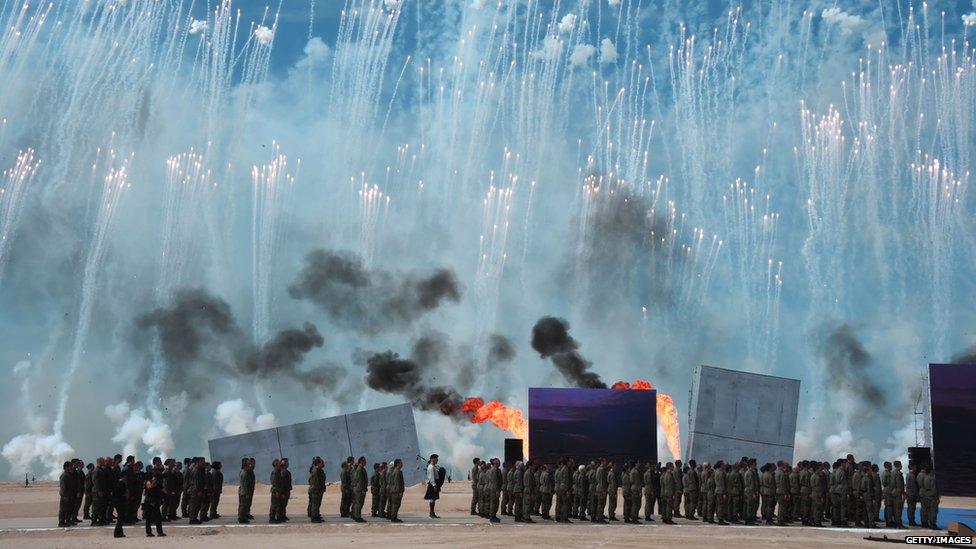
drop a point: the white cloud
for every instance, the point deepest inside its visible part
(477, 4)
(608, 52)
(848, 23)
(264, 35)
(613, 3)
(198, 27)
(581, 55)
(551, 49)
(969, 19)
(316, 54)
(567, 23)
(234, 417)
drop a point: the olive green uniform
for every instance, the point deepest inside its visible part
(316, 489)
(396, 494)
(475, 472)
(668, 489)
(359, 482)
(245, 494)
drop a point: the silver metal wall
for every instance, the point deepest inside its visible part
(735, 414)
(381, 435)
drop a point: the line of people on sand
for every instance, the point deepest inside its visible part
(110, 491)
(808, 493)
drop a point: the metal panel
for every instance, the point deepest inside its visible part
(300, 442)
(737, 414)
(380, 434)
(384, 434)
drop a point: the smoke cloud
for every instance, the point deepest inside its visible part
(551, 339)
(848, 364)
(370, 300)
(198, 333)
(966, 357)
(234, 417)
(133, 428)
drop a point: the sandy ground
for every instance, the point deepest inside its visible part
(28, 516)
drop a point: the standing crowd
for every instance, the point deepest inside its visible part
(807, 493)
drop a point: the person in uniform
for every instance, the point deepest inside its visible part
(245, 491)
(484, 494)
(644, 484)
(274, 514)
(897, 495)
(529, 488)
(733, 487)
(564, 491)
(384, 489)
(316, 489)
(877, 495)
(868, 514)
(196, 478)
(66, 492)
(794, 480)
(591, 483)
(517, 490)
(911, 493)
(99, 491)
(374, 491)
(691, 485)
(217, 471)
(928, 492)
(782, 477)
(612, 484)
(582, 489)
(546, 486)
(750, 492)
(495, 482)
(600, 501)
(721, 491)
(359, 483)
(708, 480)
(627, 489)
(506, 484)
(818, 494)
(475, 472)
(345, 487)
(668, 489)
(678, 474)
(396, 490)
(176, 480)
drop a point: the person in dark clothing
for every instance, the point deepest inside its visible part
(155, 496)
(120, 494)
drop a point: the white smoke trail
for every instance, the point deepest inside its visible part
(608, 51)
(115, 185)
(14, 184)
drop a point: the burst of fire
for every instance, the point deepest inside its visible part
(501, 416)
(667, 414)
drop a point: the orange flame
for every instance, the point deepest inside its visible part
(501, 416)
(667, 414)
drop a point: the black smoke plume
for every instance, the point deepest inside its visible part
(370, 300)
(198, 334)
(966, 357)
(388, 373)
(848, 364)
(551, 339)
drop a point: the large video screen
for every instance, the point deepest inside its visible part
(953, 392)
(585, 424)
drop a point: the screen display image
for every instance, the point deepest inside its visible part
(586, 424)
(953, 392)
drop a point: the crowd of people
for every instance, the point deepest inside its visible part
(809, 493)
(112, 491)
